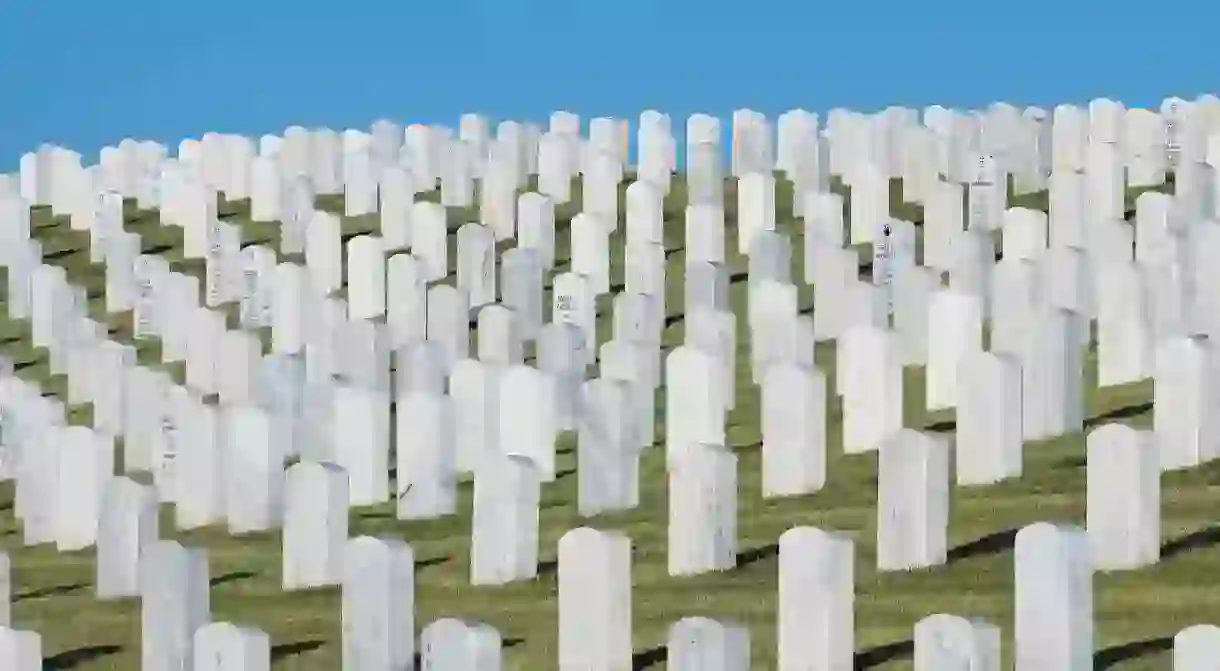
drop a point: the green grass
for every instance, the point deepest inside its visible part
(53, 591)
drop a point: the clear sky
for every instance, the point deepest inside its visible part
(84, 74)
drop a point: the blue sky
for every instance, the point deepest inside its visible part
(86, 74)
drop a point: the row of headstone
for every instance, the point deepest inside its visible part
(1053, 607)
(1030, 143)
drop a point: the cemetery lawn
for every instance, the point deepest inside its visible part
(1136, 613)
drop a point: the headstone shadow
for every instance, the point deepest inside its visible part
(1195, 540)
(755, 555)
(1115, 655)
(648, 658)
(1125, 412)
(70, 659)
(285, 650)
(883, 654)
(991, 544)
(54, 590)
(232, 576)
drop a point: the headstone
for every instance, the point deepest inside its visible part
(200, 497)
(421, 367)
(86, 463)
(694, 401)
(1196, 648)
(1124, 498)
(499, 336)
(704, 233)
(324, 252)
(574, 303)
(594, 601)
(127, 528)
(528, 418)
(625, 361)
(951, 643)
(607, 449)
(254, 467)
(521, 289)
(1052, 375)
(315, 525)
(474, 393)
(912, 501)
(816, 621)
(6, 590)
(406, 300)
(221, 646)
(449, 644)
(174, 603)
(360, 439)
(430, 240)
(793, 430)
(561, 355)
(20, 650)
(449, 322)
(476, 264)
(378, 604)
(366, 277)
(702, 534)
(426, 456)
(755, 208)
(504, 524)
(1054, 598)
(536, 226)
(1186, 429)
(869, 376)
(37, 486)
(955, 329)
(397, 196)
(239, 354)
(702, 644)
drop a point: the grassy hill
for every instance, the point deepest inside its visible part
(1136, 613)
